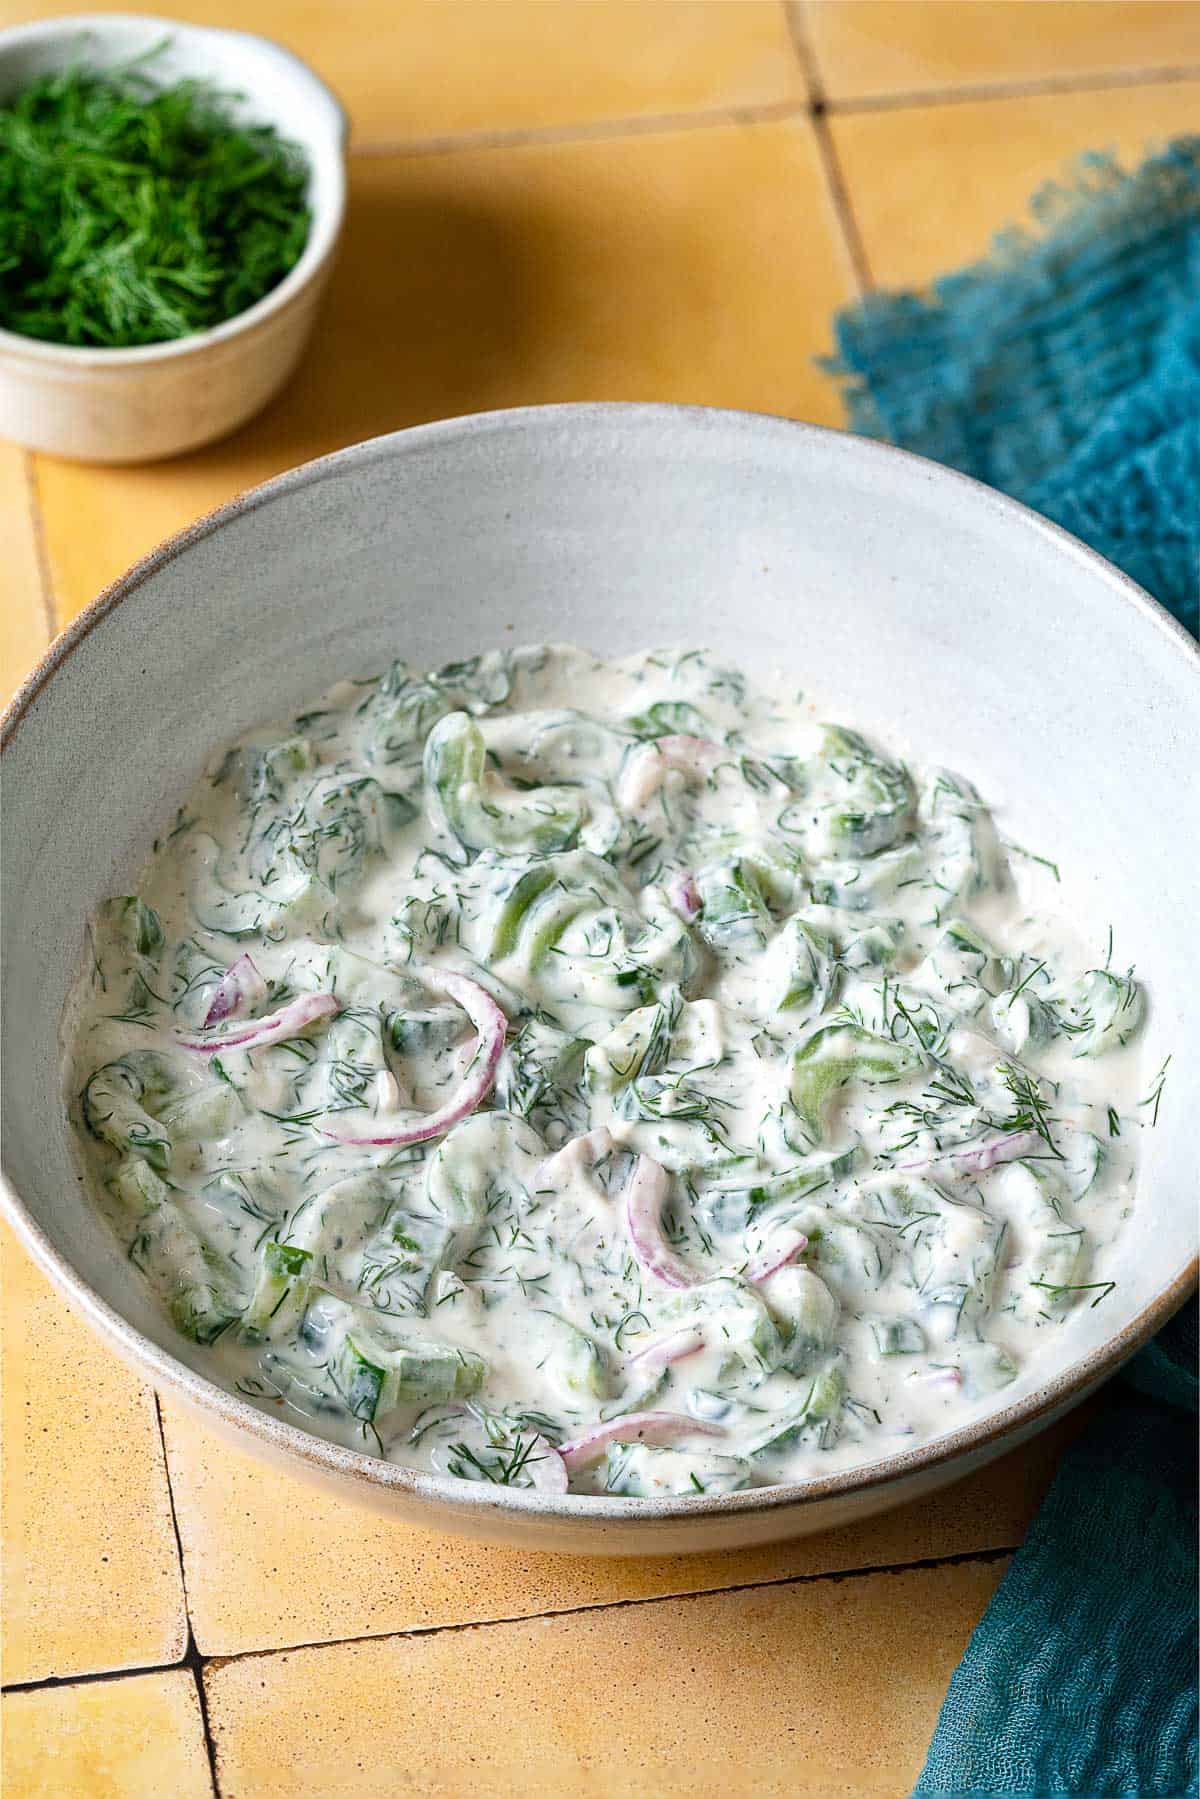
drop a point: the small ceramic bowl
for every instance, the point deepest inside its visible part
(157, 400)
(909, 600)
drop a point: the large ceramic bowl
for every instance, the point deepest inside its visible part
(914, 601)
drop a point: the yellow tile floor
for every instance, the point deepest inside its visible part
(550, 200)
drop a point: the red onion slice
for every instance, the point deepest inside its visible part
(690, 755)
(644, 1195)
(660, 1355)
(647, 768)
(977, 1158)
(492, 1025)
(782, 1248)
(684, 897)
(546, 1468)
(240, 988)
(276, 1027)
(648, 1427)
(942, 1377)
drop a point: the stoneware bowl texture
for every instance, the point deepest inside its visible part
(958, 626)
(156, 400)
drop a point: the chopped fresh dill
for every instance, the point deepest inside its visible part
(1101, 1289)
(1018, 850)
(503, 1468)
(1029, 1107)
(1154, 1097)
(1020, 988)
(133, 212)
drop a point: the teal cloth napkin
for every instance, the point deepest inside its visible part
(1081, 1676)
(1065, 370)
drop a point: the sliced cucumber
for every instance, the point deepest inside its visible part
(265, 770)
(638, 1046)
(733, 905)
(832, 1057)
(951, 1246)
(481, 811)
(211, 1111)
(811, 1420)
(806, 1311)
(281, 905)
(986, 1368)
(374, 1380)
(641, 1471)
(802, 964)
(964, 854)
(1103, 1011)
(733, 1318)
(344, 820)
(897, 1336)
(528, 884)
(280, 1289)
(573, 1361)
(116, 1104)
(136, 925)
(864, 886)
(196, 1283)
(670, 718)
(138, 1187)
(1022, 1021)
(875, 800)
(398, 718)
(340, 1215)
(540, 1078)
(874, 945)
(493, 1154)
(729, 1209)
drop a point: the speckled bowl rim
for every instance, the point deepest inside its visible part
(466, 1497)
(324, 230)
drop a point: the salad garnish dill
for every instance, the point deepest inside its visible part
(135, 212)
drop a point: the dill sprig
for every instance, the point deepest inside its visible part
(504, 1468)
(1029, 1107)
(132, 213)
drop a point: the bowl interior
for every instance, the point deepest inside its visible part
(911, 601)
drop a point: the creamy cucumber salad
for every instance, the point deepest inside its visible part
(603, 1077)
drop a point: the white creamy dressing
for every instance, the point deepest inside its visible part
(811, 1126)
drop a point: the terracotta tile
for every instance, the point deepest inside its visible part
(818, 1689)
(409, 69)
(867, 49)
(693, 265)
(91, 1567)
(137, 1738)
(930, 186)
(247, 1528)
(23, 630)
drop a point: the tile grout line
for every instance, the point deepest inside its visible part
(984, 1556)
(40, 548)
(192, 1663)
(592, 131)
(50, 1683)
(835, 180)
(192, 1657)
(1034, 88)
(764, 112)
(199, 1662)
